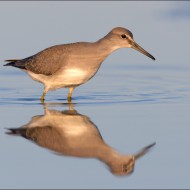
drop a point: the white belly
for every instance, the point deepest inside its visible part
(73, 76)
(65, 78)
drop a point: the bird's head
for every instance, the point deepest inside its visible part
(123, 38)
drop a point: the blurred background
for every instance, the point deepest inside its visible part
(160, 27)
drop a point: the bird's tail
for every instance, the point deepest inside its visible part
(17, 132)
(11, 62)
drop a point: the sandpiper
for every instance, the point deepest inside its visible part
(70, 65)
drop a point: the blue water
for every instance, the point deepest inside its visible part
(129, 108)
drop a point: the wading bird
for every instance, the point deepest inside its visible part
(70, 65)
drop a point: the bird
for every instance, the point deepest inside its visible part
(69, 133)
(71, 65)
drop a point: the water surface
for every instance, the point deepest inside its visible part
(121, 110)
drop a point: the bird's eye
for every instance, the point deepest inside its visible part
(123, 36)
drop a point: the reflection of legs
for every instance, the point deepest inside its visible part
(70, 93)
(43, 95)
(71, 106)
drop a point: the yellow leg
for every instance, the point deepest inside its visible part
(43, 97)
(69, 97)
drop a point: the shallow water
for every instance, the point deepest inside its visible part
(123, 109)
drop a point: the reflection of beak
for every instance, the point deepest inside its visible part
(140, 49)
(143, 151)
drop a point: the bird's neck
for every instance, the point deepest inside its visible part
(106, 46)
(113, 159)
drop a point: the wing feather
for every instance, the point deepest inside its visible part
(46, 62)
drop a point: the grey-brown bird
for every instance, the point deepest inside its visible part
(70, 65)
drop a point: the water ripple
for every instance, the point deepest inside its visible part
(141, 87)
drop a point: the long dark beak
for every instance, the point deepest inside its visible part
(140, 49)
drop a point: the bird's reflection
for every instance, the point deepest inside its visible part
(72, 134)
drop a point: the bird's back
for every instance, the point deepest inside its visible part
(52, 59)
(46, 62)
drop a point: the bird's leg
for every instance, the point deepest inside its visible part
(43, 96)
(70, 94)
